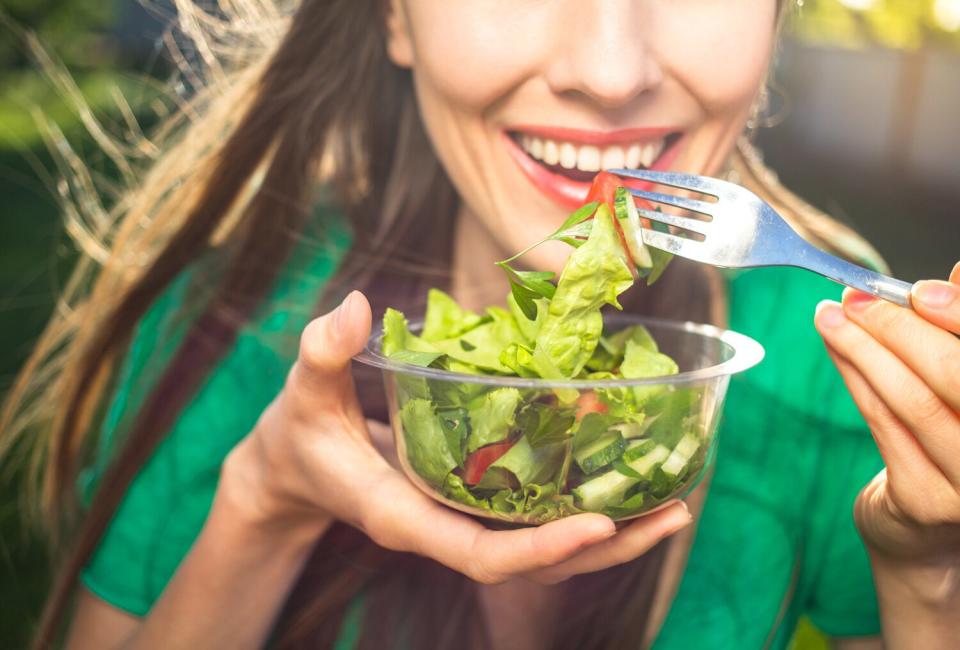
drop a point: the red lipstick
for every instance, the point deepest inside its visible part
(571, 193)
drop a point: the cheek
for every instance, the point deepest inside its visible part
(720, 53)
(471, 53)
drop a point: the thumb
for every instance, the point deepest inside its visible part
(327, 345)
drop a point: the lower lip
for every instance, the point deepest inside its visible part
(570, 193)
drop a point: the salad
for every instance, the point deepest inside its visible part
(535, 454)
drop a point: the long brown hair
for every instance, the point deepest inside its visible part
(309, 98)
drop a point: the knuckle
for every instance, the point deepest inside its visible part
(929, 411)
(479, 568)
(927, 514)
(373, 527)
(313, 343)
(948, 368)
(890, 322)
(878, 416)
(479, 572)
(927, 508)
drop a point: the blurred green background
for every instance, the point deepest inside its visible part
(862, 122)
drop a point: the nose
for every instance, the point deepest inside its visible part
(601, 52)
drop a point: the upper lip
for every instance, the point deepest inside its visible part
(599, 138)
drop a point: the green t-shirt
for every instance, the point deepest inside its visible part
(776, 539)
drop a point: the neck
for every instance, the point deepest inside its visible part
(475, 281)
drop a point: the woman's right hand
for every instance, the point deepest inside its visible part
(310, 460)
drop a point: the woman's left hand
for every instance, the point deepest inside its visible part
(903, 369)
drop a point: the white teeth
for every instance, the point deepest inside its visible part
(536, 148)
(551, 152)
(651, 153)
(613, 158)
(588, 159)
(568, 156)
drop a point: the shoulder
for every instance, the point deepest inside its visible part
(165, 505)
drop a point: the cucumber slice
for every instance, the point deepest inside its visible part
(632, 430)
(601, 452)
(608, 488)
(637, 449)
(649, 461)
(681, 455)
(602, 491)
(629, 219)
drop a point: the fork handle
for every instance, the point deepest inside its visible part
(851, 275)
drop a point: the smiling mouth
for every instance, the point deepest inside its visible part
(581, 162)
(562, 162)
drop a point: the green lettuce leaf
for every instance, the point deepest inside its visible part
(528, 328)
(538, 503)
(519, 359)
(427, 449)
(422, 359)
(481, 346)
(545, 424)
(591, 427)
(397, 335)
(677, 412)
(639, 362)
(456, 490)
(630, 506)
(616, 343)
(527, 287)
(523, 464)
(445, 319)
(455, 422)
(572, 231)
(660, 258)
(594, 275)
(492, 417)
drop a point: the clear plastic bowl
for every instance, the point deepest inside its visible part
(663, 455)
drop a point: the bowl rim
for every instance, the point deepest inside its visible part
(746, 354)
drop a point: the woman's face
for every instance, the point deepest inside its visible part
(525, 100)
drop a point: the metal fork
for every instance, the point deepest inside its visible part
(744, 231)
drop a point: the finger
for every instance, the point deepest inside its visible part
(321, 375)
(900, 450)
(627, 545)
(400, 517)
(918, 488)
(931, 352)
(955, 274)
(938, 302)
(934, 425)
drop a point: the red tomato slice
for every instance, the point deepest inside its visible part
(603, 188)
(588, 402)
(477, 463)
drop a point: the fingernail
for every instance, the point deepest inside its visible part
(830, 314)
(340, 313)
(680, 517)
(935, 293)
(857, 300)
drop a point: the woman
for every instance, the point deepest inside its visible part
(232, 503)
